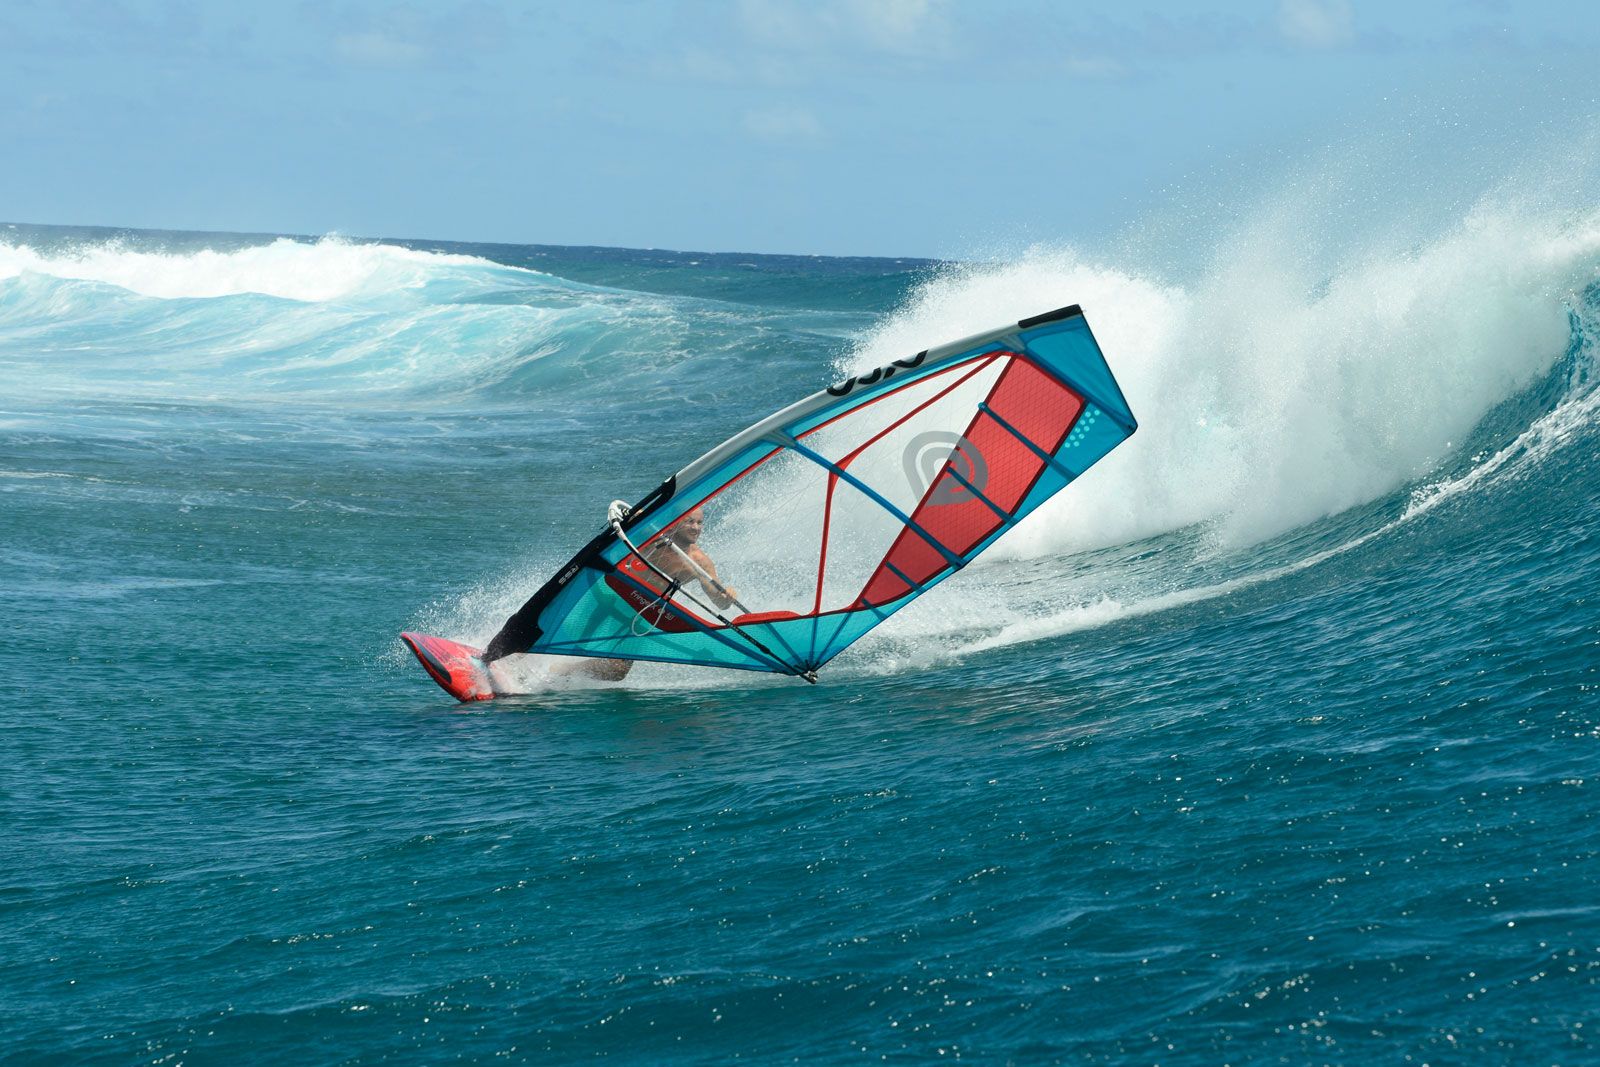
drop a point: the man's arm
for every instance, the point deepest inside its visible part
(720, 594)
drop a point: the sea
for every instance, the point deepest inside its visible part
(1273, 739)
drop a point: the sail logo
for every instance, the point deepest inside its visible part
(948, 462)
(876, 376)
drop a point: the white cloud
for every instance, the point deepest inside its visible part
(896, 24)
(1316, 23)
(379, 49)
(783, 125)
(903, 27)
(1093, 67)
(704, 66)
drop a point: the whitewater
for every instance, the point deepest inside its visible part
(1273, 737)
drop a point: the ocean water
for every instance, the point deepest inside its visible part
(1276, 738)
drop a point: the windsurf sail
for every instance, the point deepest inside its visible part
(831, 515)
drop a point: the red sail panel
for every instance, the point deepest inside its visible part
(1001, 467)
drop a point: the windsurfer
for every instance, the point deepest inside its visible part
(679, 556)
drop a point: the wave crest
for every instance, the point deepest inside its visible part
(308, 271)
(1272, 392)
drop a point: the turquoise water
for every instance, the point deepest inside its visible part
(1274, 739)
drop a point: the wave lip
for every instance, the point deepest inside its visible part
(328, 269)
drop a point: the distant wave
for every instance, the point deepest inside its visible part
(328, 269)
(341, 321)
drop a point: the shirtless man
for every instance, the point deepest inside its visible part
(668, 555)
(680, 557)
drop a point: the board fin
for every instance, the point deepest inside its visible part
(459, 669)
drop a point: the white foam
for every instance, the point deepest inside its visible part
(1271, 393)
(315, 271)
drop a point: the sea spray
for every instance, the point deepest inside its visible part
(1269, 397)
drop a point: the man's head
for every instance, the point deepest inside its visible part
(686, 531)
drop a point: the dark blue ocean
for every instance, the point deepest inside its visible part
(1274, 739)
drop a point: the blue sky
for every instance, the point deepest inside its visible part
(881, 127)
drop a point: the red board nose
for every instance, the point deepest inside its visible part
(457, 668)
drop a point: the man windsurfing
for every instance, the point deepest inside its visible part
(679, 556)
